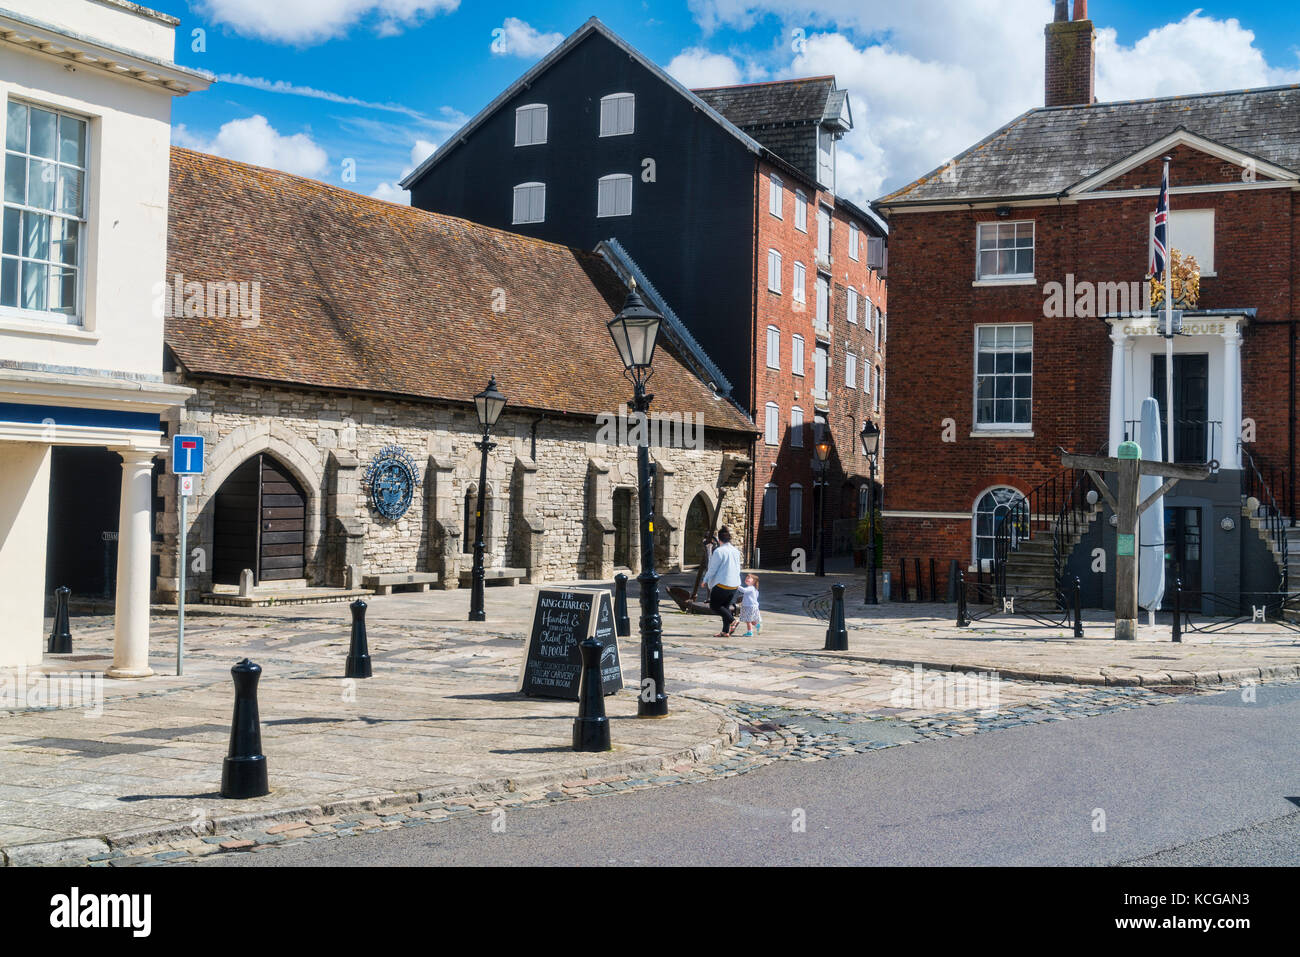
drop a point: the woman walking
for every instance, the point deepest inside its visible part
(722, 579)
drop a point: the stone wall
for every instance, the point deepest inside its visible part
(553, 516)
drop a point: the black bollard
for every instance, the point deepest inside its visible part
(962, 619)
(621, 622)
(837, 635)
(954, 569)
(60, 635)
(243, 773)
(1178, 610)
(591, 727)
(1078, 608)
(358, 664)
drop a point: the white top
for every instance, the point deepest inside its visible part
(748, 603)
(724, 567)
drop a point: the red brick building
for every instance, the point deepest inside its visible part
(1018, 274)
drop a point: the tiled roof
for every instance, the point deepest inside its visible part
(362, 295)
(782, 115)
(1046, 151)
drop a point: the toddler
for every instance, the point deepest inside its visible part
(749, 613)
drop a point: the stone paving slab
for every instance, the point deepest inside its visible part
(139, 765)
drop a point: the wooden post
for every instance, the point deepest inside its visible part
(1126, 566)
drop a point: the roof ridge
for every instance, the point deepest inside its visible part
(741, 86)
(382, 204)
(1170, 98)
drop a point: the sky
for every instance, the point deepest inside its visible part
(358, 92)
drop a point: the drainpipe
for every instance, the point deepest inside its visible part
(533, 429)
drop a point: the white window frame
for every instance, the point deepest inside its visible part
(612, 106)
(851, 305)
(796, 513)
(774, 271)
(769, 505)
(800, 211)
(866, 313)
(997, 226)
(796, 355)
(824, 217)
(1200, 220)
(821, 372)
(826, 158)
(823, 302)
(975, 513)
(854, 237)
(531, 111)
(851, 370)
(514, 215)
(773, 347)
(796, 427)
(775, 196)
(608, 188)
(879, 322)
(799, 283)
(772, 424)
(867, 372)
(75, 317)
(876, 395)
(997, 425)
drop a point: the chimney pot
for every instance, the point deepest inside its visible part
(1081, 9)
(1062, 11)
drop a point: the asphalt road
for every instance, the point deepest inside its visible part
(1202, 781)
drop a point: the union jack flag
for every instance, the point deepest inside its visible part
(1160, 245)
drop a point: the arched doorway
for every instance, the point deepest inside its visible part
(260, 523)
(698, 527)
(623, 527)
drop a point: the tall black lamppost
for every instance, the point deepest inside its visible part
(822, 449)
(871, 448)
(634, 331)
(488, 404)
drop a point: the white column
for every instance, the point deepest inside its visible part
(1230, 457)
(24, 523)
(1118, 382)
(131, 628)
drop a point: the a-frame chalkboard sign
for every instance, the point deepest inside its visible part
(562, 620)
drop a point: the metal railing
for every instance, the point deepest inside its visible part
(1189, 436)
(1256, 484)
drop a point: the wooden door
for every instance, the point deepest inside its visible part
(284, 517)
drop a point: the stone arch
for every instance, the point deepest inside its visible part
(709, 495)
(296, 454)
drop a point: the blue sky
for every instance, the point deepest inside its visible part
(311, 84)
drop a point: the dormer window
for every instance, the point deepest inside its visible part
(617, 114)
(530, 125)
(44, 211)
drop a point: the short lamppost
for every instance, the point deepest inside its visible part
(488, 404)
(635, 330)
(871, 448)
(822, 449)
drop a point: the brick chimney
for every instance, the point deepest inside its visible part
(1071, 73)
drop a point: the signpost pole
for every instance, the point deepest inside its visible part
(180, 593)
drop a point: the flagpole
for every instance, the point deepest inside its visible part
(1169, 316)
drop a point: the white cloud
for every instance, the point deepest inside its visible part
(1198, 54)
(930, 78)
(697, 68)
(310, 21)
(254, 140)
(516, 38)
(421, 151)
(391, 193)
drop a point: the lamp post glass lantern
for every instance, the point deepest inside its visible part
(488, 404)
(870, 436)
(822, 449)
(635, 331)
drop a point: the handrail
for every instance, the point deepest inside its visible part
(1258, 488)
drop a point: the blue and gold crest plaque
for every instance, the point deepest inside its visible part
(391, 478)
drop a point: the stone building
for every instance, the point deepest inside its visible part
(325, 332)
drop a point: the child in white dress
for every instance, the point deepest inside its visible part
(749, 613)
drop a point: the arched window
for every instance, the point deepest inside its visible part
(990, 512)
(614, 195)
(530, 203)
(617, 114)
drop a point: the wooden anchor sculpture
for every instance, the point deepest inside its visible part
(1129, 465)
